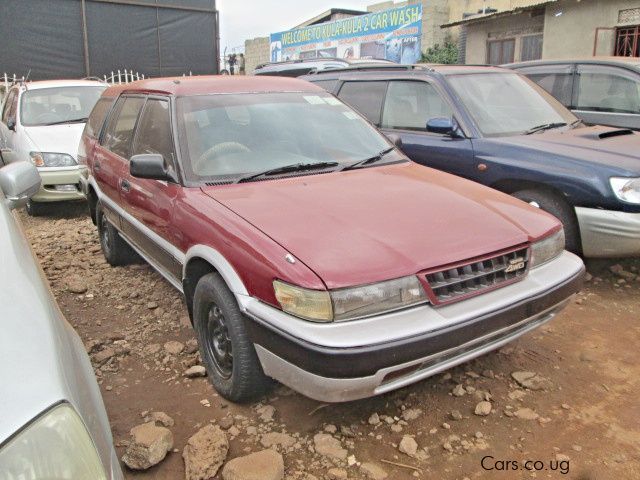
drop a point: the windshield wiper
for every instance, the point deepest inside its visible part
(73, 120)
(295, 167)
(368, 161)
(575, 123)
(545, 126)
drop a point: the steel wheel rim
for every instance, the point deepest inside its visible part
(218, 343)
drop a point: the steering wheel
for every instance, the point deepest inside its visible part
(47, 117)
(224, 148)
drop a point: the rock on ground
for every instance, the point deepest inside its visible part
(275, 438)
(148, 447)
(195, 371)
(264, 465)
(329, 446)
(526, 414)
(76, 284)
(408, 446)
(173, 347)
(531, 380)
(337, 474)
(160, 417)
(373, 471)
(205, 453)
(483, 408)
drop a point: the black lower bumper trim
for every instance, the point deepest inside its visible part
(367, 360)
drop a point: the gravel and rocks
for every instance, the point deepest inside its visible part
(149, 445)
(263, 465)
(205, 453)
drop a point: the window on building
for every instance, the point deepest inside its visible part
(607, 89)
(628, 41)
(531, 48)
(366, 97)
(410, 105)
(500, 51)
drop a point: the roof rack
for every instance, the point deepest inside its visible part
(381, 66)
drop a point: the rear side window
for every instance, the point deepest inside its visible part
(555, 79)
(119, 134)
(154, 130)
(410, 105)
(328, 85)
(366, 97)
(607, 89)
(96, 119)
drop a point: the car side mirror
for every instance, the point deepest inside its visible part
(443, 126)
(19, 181)
(11, 123)
(395, 139)
(151, 166)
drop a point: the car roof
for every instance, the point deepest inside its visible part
(410, 71)
(214, 84)
(62, 83)
(297, 62)
(633, 62)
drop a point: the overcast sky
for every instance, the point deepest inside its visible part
(243, 19)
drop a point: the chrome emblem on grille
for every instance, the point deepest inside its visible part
(515, 265)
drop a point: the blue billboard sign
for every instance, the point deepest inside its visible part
(393, 34)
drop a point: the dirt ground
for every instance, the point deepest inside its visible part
(584, 423)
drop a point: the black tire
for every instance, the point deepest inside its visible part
(227, 353)
(115, 250)
(34, 209)
(556, 206)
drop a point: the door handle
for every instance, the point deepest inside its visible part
(125, 185)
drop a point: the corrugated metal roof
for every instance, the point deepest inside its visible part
(494, 15)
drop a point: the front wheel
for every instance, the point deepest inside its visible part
(115, 250)
(560, 209)
(34, 209)
(228, 354)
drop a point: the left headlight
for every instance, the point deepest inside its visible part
(349, 303)
(48, 159)
(626, 189)
(547, 249)
(56, 445)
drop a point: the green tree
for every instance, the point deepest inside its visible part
(445, 54)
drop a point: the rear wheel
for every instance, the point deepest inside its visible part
(556, 206)
(116, 251)
(226, 350)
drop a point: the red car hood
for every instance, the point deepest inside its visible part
(384, 222)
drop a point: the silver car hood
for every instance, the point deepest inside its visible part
(42, 360)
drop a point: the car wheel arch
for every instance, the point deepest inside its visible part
(511, 186)
(201, 260)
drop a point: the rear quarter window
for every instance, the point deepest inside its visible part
(366, 97)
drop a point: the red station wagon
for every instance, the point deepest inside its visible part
(309, 249)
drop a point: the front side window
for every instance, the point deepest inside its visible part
(225, 137)
(506, 103)
(96, 119)
(607, 89)
(410, 105)
(119, 133)
(52, 106)
(366, 97)
(154, 130)
(555, 79)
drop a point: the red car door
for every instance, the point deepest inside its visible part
(111, 156)
(151, 203)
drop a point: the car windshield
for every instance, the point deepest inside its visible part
(226, 137)
(504, 104)
(50, 106)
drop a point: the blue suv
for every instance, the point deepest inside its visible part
(496, 127)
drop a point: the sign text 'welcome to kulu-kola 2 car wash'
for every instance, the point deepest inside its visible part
(392, 34)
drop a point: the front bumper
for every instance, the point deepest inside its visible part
(350, 360)
(62, 176)
(608, 233)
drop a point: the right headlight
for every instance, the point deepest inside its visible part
(349, 303)
(49, 159)
(547, 249)
(626, 189)
(55, 446)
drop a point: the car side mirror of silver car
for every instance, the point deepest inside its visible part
(151, 166)
(19, 181)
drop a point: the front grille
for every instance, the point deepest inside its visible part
(462, 281)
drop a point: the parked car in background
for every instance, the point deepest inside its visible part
(296, 68)
(53, 423)
(290, 225)
(494, 126)
(42, 123)
(599, 90)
